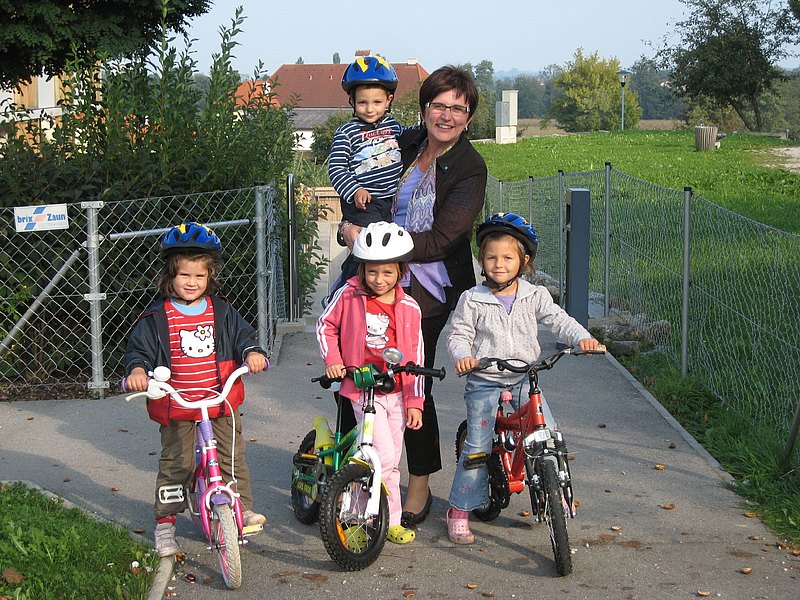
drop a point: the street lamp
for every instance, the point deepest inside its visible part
(623, 75)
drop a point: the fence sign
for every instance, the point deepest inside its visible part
(41, 218)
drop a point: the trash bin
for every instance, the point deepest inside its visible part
(705, 137)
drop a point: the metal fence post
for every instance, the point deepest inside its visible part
(94, 297)
(607, 245)
(790, 443)
(687, 217)
(294, 284)
(577, 303)
(261, 262)
(561, 283)
(530, 198)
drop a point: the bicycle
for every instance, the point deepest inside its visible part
(336, 476)
(526, 452)
(215, 507)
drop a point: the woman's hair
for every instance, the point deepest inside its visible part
(445, 79)
(526, 270)
(169, 270)
(402, 267)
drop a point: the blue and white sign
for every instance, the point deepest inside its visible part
(41, 218)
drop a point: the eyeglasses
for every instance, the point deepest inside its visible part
(457, 109)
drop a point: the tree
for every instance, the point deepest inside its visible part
(405, 108)
(482, 125)
(323, 134)
(336, 59)
(591, 97)
(728, 52)
(656, 94)
(531, 101)
(38, 37)
(299, 61)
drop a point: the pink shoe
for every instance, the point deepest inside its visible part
(458, 529)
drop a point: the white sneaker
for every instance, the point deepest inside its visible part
(166, 544)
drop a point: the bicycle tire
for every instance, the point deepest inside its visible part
(350, 540)
(492, 511)
(556, 519)
(305, 509)
(225, 542)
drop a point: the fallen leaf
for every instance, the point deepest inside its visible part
(11, 576)
(795, 552)
(409, 594)
(30, 419)
(616, 527)
(659, 467)
(703, 593)
(524, 513)
(114, 489)
(668, 506)
(67, 479)
(782, 545)
(315, 577)
(756, 538)
(601, 425)
(488, 594)
(750, 515)
(138, 530)
(673, 445)
(122, 430)
(409, 586)
(746, 570)
(180, 557)
(171, 593)
(472, 586)
(570, 457)
(253, 439)
(576, 503)
(208, 580)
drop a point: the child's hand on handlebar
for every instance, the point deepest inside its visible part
(257, 362)
(336, 371)
(587, 344)
(413, 418)
(465, 364)
(137, 380)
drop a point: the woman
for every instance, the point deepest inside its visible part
(439, 198)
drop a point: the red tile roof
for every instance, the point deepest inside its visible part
(320, 86)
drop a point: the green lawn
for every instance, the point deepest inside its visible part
(734, 176)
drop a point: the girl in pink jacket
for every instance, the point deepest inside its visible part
(369, 313)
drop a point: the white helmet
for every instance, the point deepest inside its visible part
(383, 242)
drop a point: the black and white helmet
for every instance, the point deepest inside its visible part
(383, 242)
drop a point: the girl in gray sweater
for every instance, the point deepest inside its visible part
(499, 317)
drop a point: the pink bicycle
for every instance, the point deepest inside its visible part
(216, 508)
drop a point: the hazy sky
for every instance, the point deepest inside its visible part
(523, 34)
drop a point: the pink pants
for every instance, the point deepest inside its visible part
(390, 423)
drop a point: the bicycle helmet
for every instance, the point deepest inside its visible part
(369, 69)
(383, 242)
(512, 224)
(190, 236)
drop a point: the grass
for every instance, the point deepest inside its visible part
(734, 176)
(49, 551)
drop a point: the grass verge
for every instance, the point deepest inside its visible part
(50, 551)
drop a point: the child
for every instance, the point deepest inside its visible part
(498, 318)
(364, 164)
(369, 313)
(202, 339)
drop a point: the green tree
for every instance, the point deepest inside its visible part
(532, 101)
(299, 61)
(40, 36)
(405, 108)
(591, 98)
(323, 135)
(482, 125)
(656, 95)
(728, 52)
(336, 59)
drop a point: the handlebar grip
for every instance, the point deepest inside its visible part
(123, 385)
(413, 369)
(325, 381)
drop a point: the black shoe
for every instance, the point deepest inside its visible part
(407, 519)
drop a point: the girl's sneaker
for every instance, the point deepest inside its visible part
(166, 544)
(458, 526)
(400, 535)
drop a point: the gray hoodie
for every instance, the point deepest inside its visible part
(481, 327)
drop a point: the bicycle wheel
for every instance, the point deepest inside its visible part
(305, 509)
(225, 541)
(492, 511)
(353, 539)
(555, 518)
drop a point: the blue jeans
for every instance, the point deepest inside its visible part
(470, 488)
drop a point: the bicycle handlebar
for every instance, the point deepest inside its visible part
(543, 364)
(157, 387)
(409, 368)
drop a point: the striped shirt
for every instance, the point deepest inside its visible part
(366, 156)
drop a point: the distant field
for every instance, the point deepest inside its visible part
(733, 176)
(532, 127)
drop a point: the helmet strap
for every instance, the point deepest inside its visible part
(493, 285)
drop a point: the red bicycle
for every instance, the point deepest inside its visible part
(526, 452)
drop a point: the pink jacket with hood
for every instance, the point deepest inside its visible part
(342, 331)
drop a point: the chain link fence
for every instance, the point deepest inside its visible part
(728, 307)
(69, 297)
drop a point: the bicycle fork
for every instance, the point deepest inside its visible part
(368, 456)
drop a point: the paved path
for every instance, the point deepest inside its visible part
(627, 546)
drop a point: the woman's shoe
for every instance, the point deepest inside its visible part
(458, 530)
(407, 518)
(400, 535)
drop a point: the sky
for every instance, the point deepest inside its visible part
(527, 35)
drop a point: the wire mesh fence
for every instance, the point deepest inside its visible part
(743, 280)
(69, 297)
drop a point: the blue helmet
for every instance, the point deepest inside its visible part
(511, 224)
(190, 236)
(369, 70)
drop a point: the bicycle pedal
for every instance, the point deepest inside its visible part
(252, 529)
(302, 459)
(473, 461)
